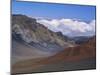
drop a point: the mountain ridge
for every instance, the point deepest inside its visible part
(29, 37)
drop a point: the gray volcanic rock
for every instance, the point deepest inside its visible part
(35, 33)
(34, 39)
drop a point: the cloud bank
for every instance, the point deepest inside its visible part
(69, 26)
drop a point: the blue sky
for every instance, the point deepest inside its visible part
(72, 20)
(47, 10)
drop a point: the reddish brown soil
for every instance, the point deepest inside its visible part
(71, 54)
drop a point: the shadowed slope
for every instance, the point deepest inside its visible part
(80, 57)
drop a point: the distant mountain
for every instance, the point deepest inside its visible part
(80, 39)
(32, 39)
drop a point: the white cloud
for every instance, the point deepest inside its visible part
(68, 26)
(92, 24)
